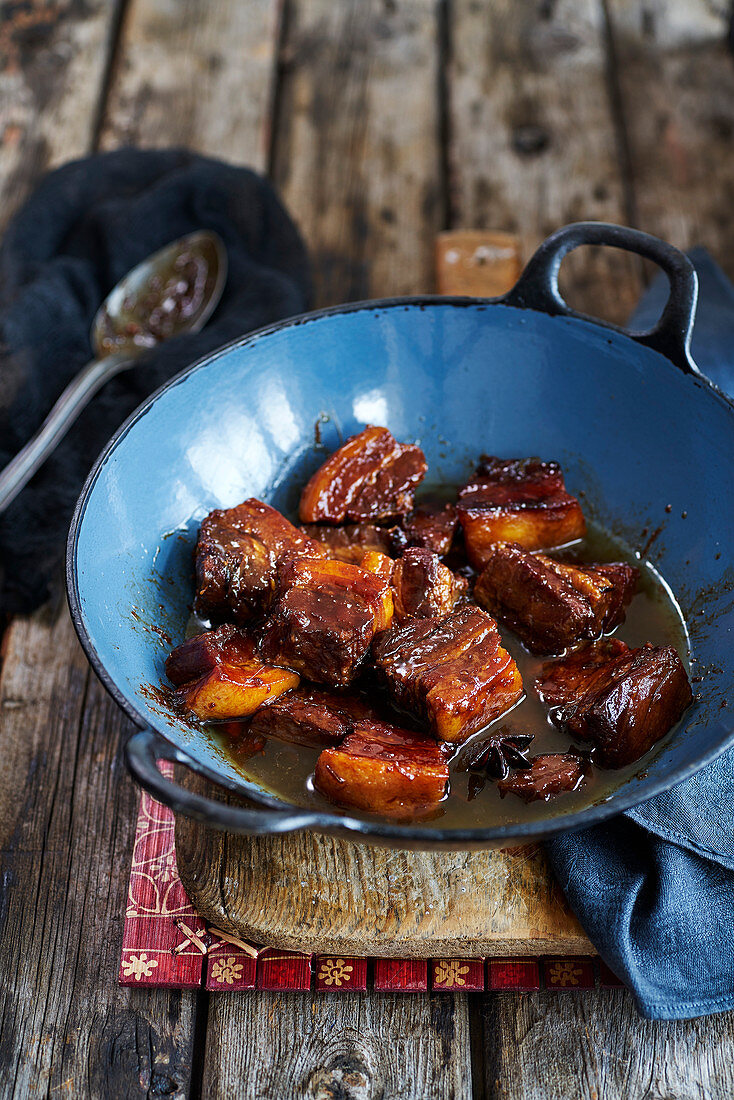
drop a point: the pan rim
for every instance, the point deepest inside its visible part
(356, 828)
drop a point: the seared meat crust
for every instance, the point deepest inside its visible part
(383, 769)
(237, 556)
(325, 617)
(549, 775)
(310, 716)
(350, 543)
(432, 526)
(553, 605)
(451, 672)
(517, 500)
(423, 587)
(621, 700)
(370, 477)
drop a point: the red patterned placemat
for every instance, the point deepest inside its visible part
(165, 943)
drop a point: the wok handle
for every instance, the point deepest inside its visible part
(145, 747)
(537, 287)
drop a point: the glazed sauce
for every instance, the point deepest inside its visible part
(653, 616)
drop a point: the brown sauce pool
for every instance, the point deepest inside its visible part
(653, 616)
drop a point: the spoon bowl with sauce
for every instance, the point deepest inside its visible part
(172, 292)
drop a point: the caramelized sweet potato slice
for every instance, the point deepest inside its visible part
(371, 476)
(549, 775)
(219, 675)
(385, 770)
(432, 526)
(553, 605)
(517, 500)
(423, 587)
(350, 543)
(310, 716)
(237, 556)
(623, 704)
(451, 672)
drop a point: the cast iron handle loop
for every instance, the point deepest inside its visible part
(146, 746)
(537, 287)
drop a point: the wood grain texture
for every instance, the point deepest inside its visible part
(353, 1046)
(675, 58)
(357, 152)
(532, 137)
(197, 73)
(551, 1046)
(66, 829)
(53, 59)
(320, 894)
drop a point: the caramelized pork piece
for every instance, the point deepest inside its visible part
(371, 477)
(549, 604)
(423, 587)
(621, 700)
(371, 585)
(432, 526)
(379, 564)
(325, 617)
(219, 675)
(549, 775)
(452, 672)
(384, 770)
(350, 543)
(517, 500)
(310, 716)
(237, 555)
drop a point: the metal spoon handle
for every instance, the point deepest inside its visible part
(75, 397)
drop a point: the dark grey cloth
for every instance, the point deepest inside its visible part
(84, 227)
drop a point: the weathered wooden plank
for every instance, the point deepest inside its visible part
(532, 137)
(350, 1045)
(356, 151)
(197, 73)
(675, 59)
(551, 1046)
(312, 893)
(53, 59)
(67, 819)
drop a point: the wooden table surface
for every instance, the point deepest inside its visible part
(381, 122)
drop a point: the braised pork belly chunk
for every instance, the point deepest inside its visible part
(384, 769)
(431, 526)
(452, 672)
(369, 637)
(310, 716)
(548, 776)
(621, 700)
(371, 477)
(220, 675)
(423, 587)
(553, 605)
(324, 618)
(237, 557)
(517, 500)
(350, 543)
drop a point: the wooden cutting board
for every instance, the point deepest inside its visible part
(318, 894)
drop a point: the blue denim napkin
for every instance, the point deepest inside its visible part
(654, 888)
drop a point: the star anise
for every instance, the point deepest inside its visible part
(500, 754)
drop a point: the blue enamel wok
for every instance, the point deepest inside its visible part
(632, 421)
